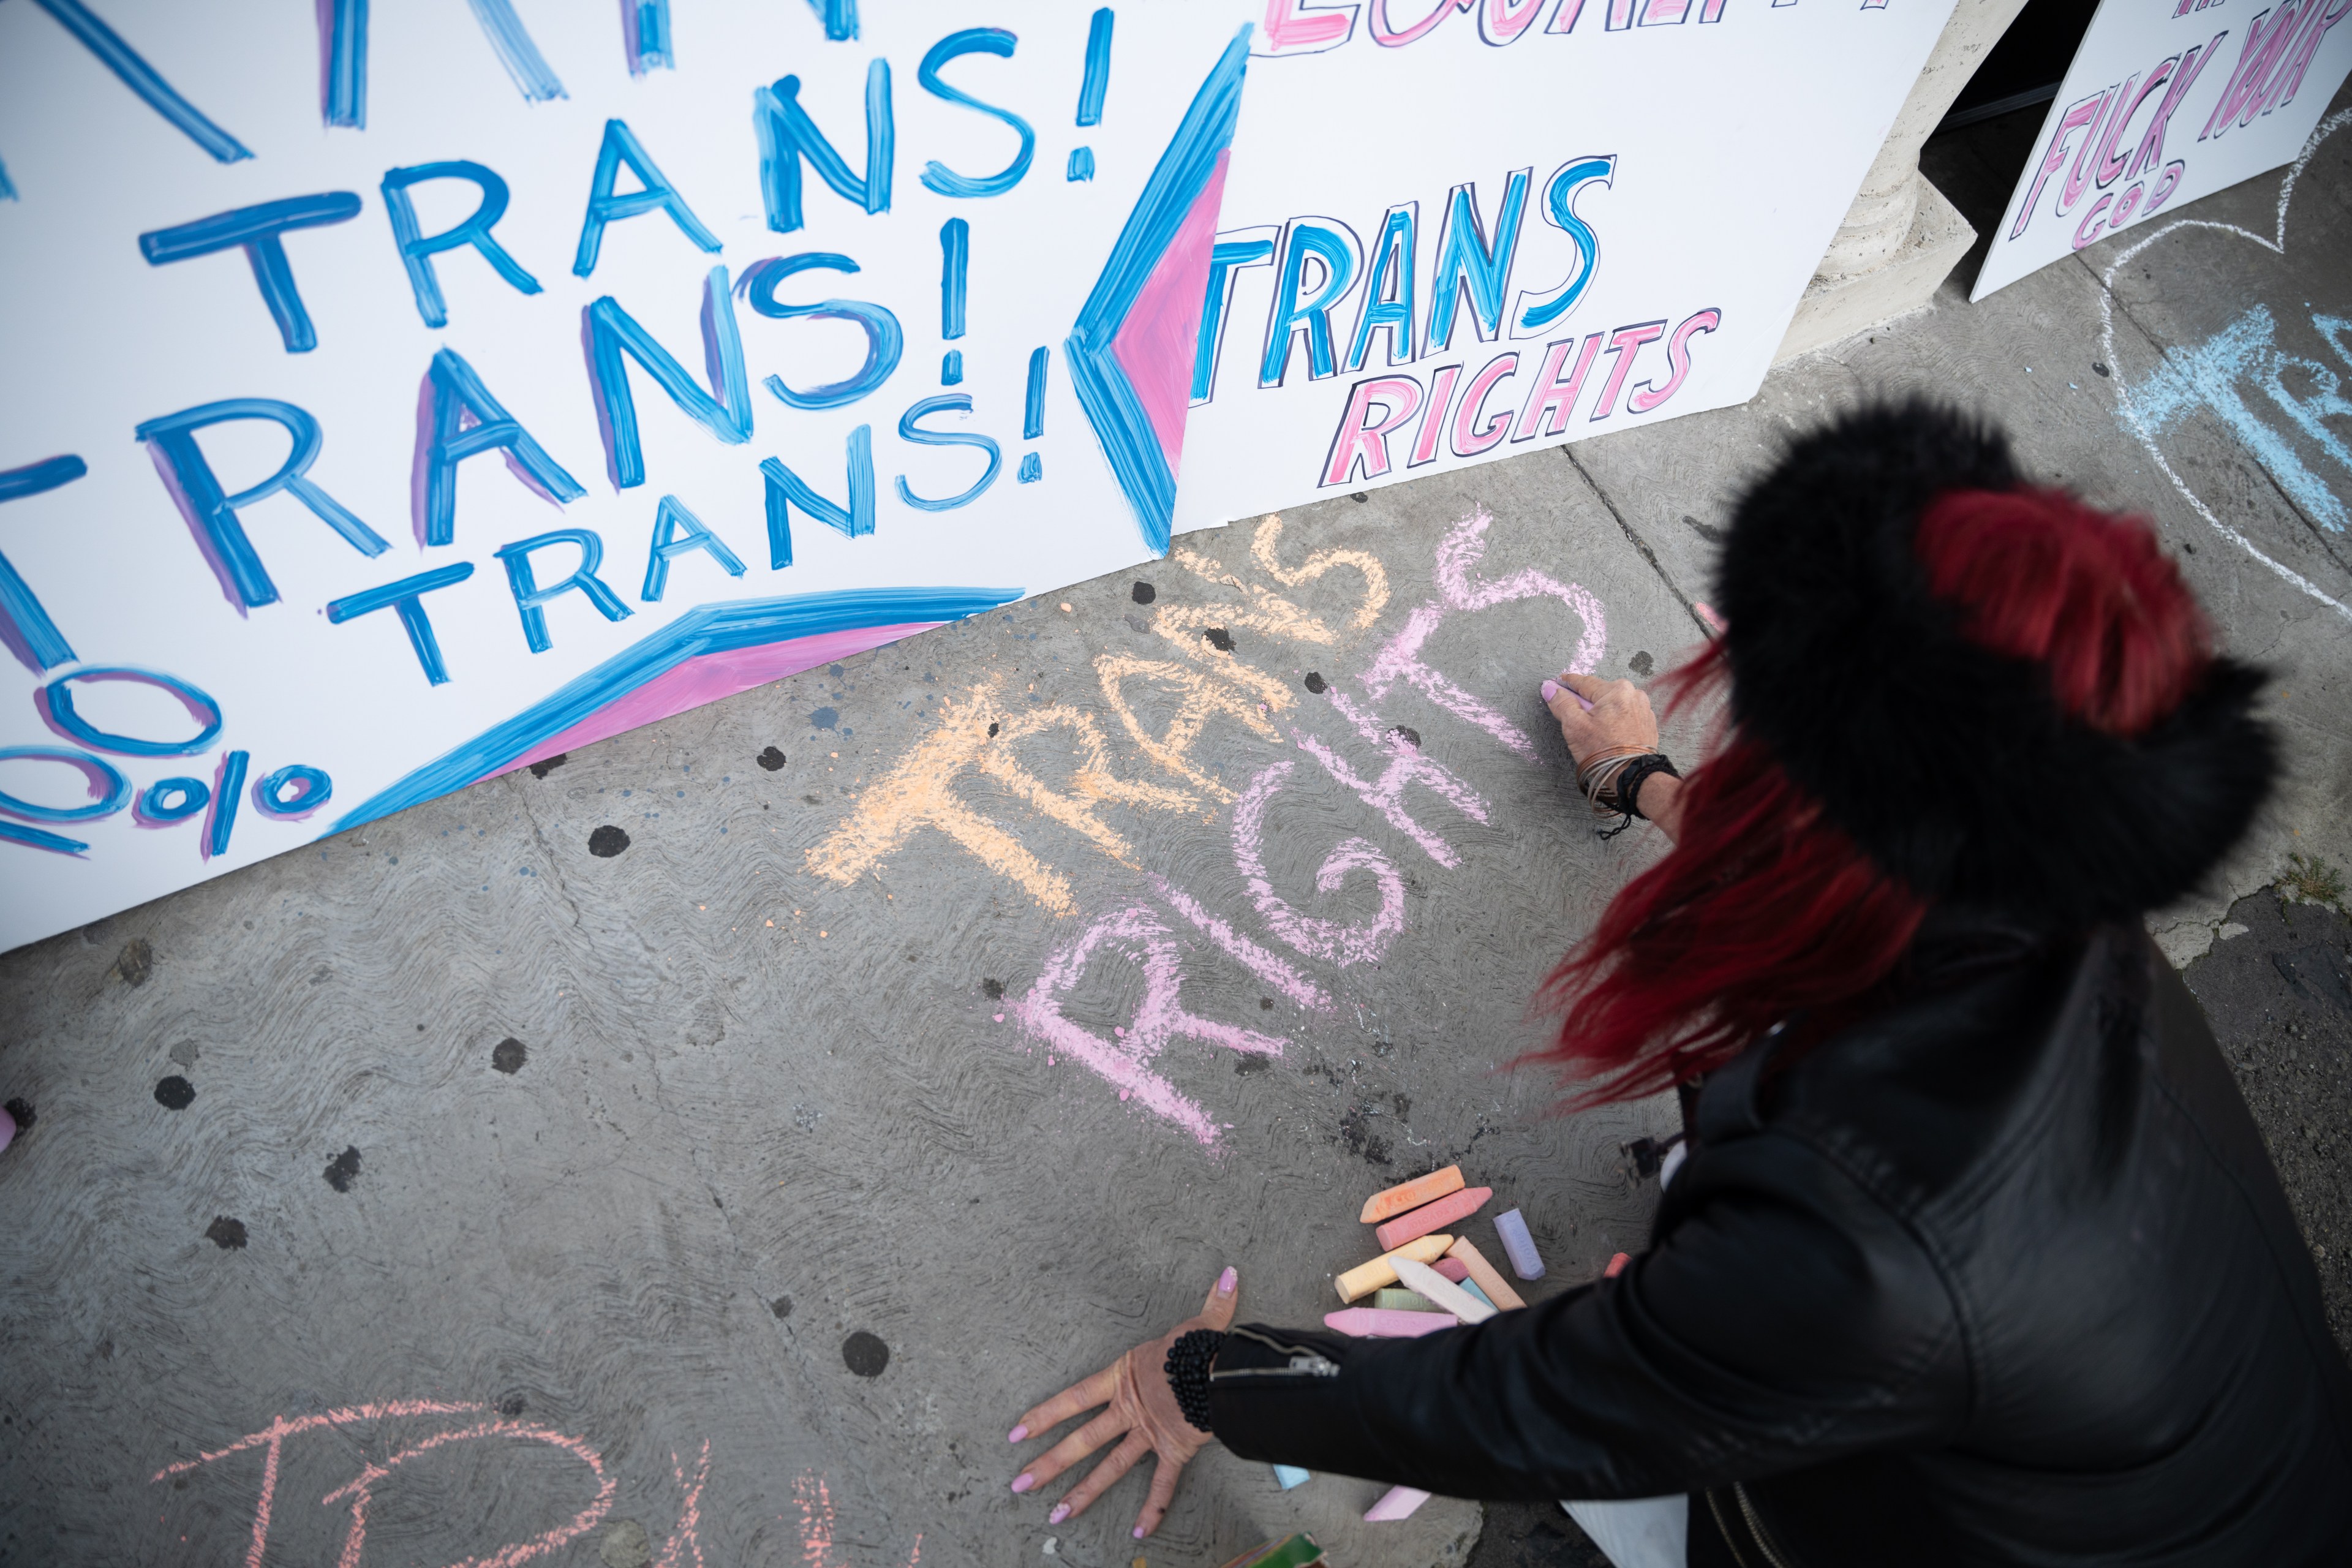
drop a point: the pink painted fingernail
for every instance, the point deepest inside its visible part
(1023, 1483)
(1138, 1532)
(1552, 691)
(1017, 1433)
(1227, 1280)
(1061, 1512)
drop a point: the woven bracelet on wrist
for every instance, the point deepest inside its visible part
(1625, 788)
(1189, 1361)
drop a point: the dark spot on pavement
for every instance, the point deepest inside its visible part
(825, 718)
(812, 800)
(1361, 495)
(1706, 531)
(864, 1354)
(20, 1111)
(342, 1170)
(1316, 683)
(1265, 1003)
(508, 1055)
(1412, 736)
(1135, 624)
(1219, 638)
(1248, 1064)
(993, 989)
(185, 1053)
(541, 769)
(2316, 973)
(1403, 1103)
(136, 961)
(771, 759)
(512, 1406)
(1143, 592)
(175, 1093)
(607, 841)
(991, 731)
(782, 1307)
(2099, 369)
(226, 1234)
(1357, 1137)
(1642, 664)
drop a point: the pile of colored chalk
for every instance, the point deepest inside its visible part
(1425, 1279)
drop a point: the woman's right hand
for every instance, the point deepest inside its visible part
(1615, 717)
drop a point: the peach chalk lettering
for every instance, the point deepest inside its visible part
(1336, 941)
(684, 1549)
(1366, 1277)
(1433, 1216)
(362, 1493)
(1443, 1293)
(1386, 1322)
(1124, 1062)
(1389, 1202)
(1460, 551)
(1526, 1261)
(1465, 1255)
(1397, 1503)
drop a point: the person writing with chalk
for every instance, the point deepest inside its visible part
(1975, 1254)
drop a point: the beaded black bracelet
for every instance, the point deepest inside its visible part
(1189, 1361)
(1625, 789)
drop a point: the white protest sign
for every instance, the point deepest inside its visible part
(1458, 230)
(399, 394)
(2167, 101)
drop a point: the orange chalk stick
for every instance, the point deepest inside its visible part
(1412, 1195)
(1433, 1216)
(1490, 1279)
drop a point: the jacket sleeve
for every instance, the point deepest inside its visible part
(1784, 1317)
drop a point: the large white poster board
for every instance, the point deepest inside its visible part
(2167, 101)
(1458, 230)
(400, 394)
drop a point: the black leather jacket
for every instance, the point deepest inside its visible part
(2002, 1275)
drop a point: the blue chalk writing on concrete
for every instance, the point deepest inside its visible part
(258, 231)
(515, 50)
(936, 175)
(786, 490)
(25, 626)
(1466, 261)
(454, 394)
(725, 410)
(141, 79)
(912, 433)
(2215, 375)
(531, 599)
(55, 701)
(108, 788)
(703, 630)
(406, 598)
(342, 63)
(212, 515)
(676, 532)
(883, 340)
(786, 135)
(622, 146)
(418, 248)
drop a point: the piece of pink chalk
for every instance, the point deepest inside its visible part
(1433, 1216)
(1386, 1322)
(1552, 688)
(1454, 1268)
(1616, 1266)
(1397, 1503)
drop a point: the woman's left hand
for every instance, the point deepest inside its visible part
(1142, 1413)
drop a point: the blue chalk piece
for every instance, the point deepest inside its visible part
(1472, 1286)
(1289, 1475)
(951, 368)
(1032, 469)
(1526, 1261)
(1082, 164)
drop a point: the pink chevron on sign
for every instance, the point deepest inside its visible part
(1154, 345)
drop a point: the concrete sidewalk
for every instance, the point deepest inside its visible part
(609, 1157)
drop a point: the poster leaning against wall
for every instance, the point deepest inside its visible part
(401, 395)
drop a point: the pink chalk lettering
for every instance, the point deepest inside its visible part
(1365, 438)
(1553, 399)
(1646, 395)
(1624, 342)
(1294, 28)
(1467, 442)
(1432, 419)
(362, 1491)
(1457, 553)
(1124, 1062)
(2080, 117)
(1345, 945)
(1406, 766)
(1266, 964)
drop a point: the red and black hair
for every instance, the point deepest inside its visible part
(1943, 684)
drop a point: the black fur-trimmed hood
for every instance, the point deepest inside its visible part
(1952, 765)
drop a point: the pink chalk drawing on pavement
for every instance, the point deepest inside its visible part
(1341, 943)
